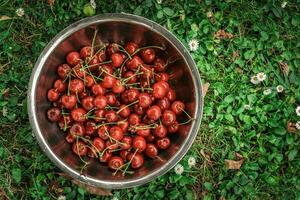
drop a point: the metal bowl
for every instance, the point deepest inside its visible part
(117, 28)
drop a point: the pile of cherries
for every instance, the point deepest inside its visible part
(115, 104)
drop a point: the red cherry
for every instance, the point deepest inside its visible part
(73, 58)
(108, 81)
(70, 138)
(99, 144)
(163, 143)
(79, 71)
(59, 85)
(159, 90)
(130, 77)
(85, 52)
(150, 138)
(76, 86)
(54, 114)
(162, 77)
(123, 125)
(97, 89)
(82, 95)
(148, 55)
(93, 63)
(173, 128)
(103, 132)
(171, 95)
(111, 116)
(99, 115)
(124, 154)
(111, 145)
(64, 122)
(90, 127)
(163, 103)
(118, 87)
(101, 56)
(87, 103)
(105, 157)
(134, 63)
(52, 95)
(78, 114)
(79, 148)
(137, 160)
(147, 72)
(124, 111)
(112, 48)
(151, 150)
(63, 70)
(127, 141)
(131, 47)
(139, 143)
(144, 100)
(77, 129)
(111, 99)
(160, 131)
(134, 119)
(168, 117)
(100, 102)
(106, 69)
(159, 65)
(145, 83)
(89, 81)
(138, 109)
(68, 101)
(142, 130)
(132, 95)
(117, 59)
(154, 112)
(178, 107)
(115, 162)
(116, 133)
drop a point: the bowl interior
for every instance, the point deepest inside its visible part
(118, 32)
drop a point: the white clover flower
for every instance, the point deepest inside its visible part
(279, 88)
(283, 5)
(61, 197)
(115, 198)
(267, 91)
(254, 80)
(297, 125)
(193, 44)
(247, 106)
(20, 12)
(179, 169)
(159, 1)
(191, 161)
(93, 4)
(261, 76)
(209, 14)
(298, 110)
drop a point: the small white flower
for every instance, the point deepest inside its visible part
(115, 198)
(254, 80)
(209, 14)
(298, 125)
(159, 1)
(93, 4)
(191, 161)
(61, 197)
(247, 106)
(193, 44)
(261, 76)
(279, 88)
(267, 91)
(4, 111)
(20, 12)
(283, 5)
(298, 110)
(179, 169)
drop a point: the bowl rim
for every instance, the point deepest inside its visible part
(120, 17)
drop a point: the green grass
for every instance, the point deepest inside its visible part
(264, 35)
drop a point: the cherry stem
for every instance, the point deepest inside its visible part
(124, 50)
(111, 138)
(142, 88)
(77, 97)
(93, 41)
(69, 85)
(109, 123)
(91, 143)
(78, 152)
(128, 78)
(122, 66)
(188, 121)
(130, 162)
(102, 63)
(111, 107)
(127, 106)
(186, 113)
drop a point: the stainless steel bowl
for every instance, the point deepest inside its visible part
(113, 28)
